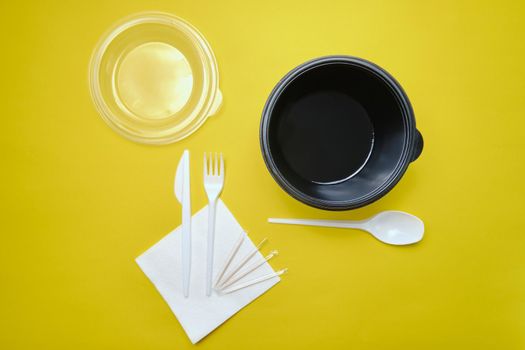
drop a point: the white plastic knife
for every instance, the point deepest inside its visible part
(182, 192)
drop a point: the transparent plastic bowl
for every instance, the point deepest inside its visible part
(154, 79)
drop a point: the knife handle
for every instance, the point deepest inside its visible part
(186, 254)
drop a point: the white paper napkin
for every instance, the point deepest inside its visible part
(199, 314)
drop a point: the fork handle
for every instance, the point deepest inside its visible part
(211, 240)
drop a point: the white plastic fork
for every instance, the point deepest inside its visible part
(213, 184)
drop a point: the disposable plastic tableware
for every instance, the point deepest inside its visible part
(391, 227)
(326, 107)
(182, 192)
(213, 183)
(154, 78)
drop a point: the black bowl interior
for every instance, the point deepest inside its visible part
(337, 132)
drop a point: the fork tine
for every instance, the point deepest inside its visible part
(210, 165)
(216, 171)
(222, 166)
(205, 165)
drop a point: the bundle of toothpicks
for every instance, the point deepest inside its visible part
(231, 276)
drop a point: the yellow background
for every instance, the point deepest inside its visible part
(79, 203)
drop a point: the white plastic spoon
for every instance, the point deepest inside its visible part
(391, 227)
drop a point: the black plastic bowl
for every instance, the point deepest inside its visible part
(338, 133)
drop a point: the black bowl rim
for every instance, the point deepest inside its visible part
(401, 166)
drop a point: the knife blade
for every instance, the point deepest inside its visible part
(182, 193)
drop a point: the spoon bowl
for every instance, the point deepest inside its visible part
(395, 227)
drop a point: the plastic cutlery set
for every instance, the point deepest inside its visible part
(229, 279)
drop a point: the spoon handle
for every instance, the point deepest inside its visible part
(322, 223)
